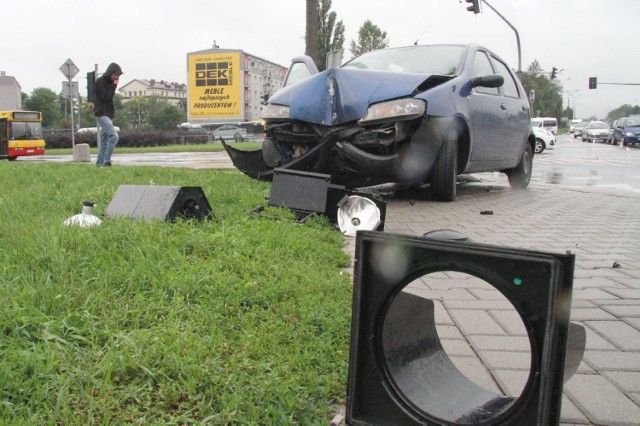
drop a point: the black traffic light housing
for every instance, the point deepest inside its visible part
(593, 82)
(398, 370)
(474, 6)
(91, 81)
(554, 70)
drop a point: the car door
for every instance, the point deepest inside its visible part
(486, 115)
(516, 107)
(618, 132)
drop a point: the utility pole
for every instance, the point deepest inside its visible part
(69, 70)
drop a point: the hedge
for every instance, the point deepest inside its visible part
(128, 138)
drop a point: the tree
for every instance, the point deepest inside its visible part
(623, 111)
(151, 112)
(548, 100)
(46, 101)
(370, 37)
(310, 38)
(166, 117)
(330, 33)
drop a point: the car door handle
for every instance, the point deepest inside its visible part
(503, 106)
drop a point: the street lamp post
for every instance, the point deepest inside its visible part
(514, 30)
(572, 94)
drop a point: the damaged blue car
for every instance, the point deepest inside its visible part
(412, 115)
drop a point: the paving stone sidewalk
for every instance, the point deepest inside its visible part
(484, 336)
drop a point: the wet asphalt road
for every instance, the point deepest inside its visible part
(571, 163)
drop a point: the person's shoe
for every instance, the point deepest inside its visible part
(108, 164)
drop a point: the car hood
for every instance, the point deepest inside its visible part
(338, 96)
(633, 129)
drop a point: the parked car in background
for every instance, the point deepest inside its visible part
(577, 129)
(572, 124)
(228, 131)
(411, 115)
(547, 123)
(544, 139)
(92, 130)
(627, 131)
(595, 131)
(611, 131)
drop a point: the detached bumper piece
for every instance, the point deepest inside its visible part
(399, 372)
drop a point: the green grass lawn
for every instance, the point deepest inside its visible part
(236, 320)
(211, 147)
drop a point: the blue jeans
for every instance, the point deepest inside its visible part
(108, 140)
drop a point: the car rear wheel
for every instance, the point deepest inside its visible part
(539, 146)
(443, 180)
(520, 176)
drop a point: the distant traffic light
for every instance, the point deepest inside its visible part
(593, 82)
(91, 81)
(474, 7)
(553, 72)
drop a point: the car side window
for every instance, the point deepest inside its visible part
(299, 71)
(482, 67)
(509, 88)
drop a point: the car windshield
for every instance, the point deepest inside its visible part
(632, 122)
(598, 126)
(438, 59)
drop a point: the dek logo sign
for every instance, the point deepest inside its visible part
(217, 73)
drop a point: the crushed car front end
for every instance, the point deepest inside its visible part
(361, 126)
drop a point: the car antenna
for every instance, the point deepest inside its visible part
(415, 43)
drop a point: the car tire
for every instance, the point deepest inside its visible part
(539, 146)
(238, 137)
(520, 176)
(445, 173)
(13, 158)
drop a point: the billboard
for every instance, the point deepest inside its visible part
(214, 85)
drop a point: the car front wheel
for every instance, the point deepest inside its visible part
(443, 180)
(520, 176)
(238, 137)
(539, 146)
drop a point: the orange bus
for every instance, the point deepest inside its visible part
(20, 134)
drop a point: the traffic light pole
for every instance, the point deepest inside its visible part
(514, 30)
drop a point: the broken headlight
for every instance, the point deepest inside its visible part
(273, 111)
(399, 109)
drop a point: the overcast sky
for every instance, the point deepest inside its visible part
(150, 39)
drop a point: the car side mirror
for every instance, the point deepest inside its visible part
(493, 80)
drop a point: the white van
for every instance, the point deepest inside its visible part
(548, 123)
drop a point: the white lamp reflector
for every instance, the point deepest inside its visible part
(358, 214)
(85, 219)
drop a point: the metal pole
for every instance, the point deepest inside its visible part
(73, 136)
(514, 30)
(94, 101)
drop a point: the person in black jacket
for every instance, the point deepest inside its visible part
(104, 89)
